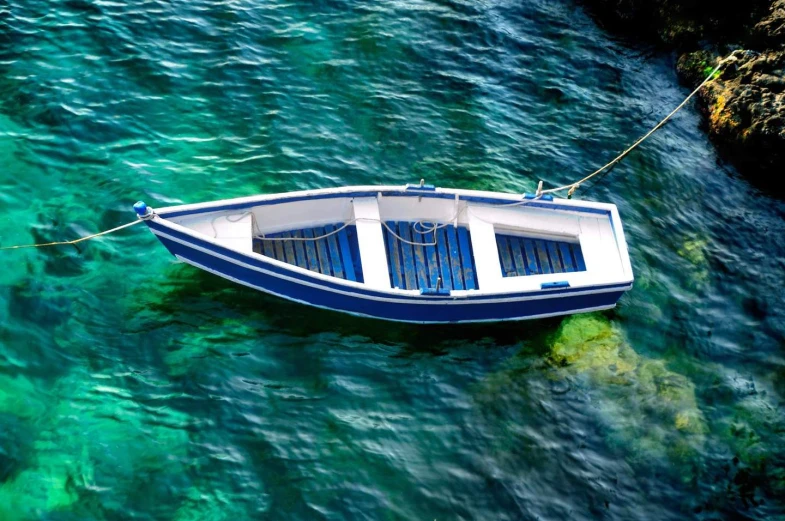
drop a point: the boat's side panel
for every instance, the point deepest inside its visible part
(346, 193)
(448, 310)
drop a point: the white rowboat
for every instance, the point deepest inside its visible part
(411, 253)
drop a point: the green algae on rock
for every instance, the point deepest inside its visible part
(649, 409)
(694, 251)
(755, 433)
(590, 344)
(745, 107)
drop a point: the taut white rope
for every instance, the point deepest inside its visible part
(574, 186)
(60, 243)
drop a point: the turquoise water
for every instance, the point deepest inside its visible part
(133, 387)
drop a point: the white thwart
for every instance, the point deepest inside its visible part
(371, 242)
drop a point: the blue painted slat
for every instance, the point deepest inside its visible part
(542, 256)
(420, 264)
(433, 263)
(310, 250)
(566, 257)
(516, 245)
(288, 249)
(394, 257)
(466, 258)
(503, 245)
(257, 246)
(578, 254)
(407, 253)
(531, 257)
(553, 254)
(269, 250)
(299, 250)
(444, 258)
(335, 256)
(321, 249)
(455, 257)
(354, 246)
(278, 246)
(346, 255)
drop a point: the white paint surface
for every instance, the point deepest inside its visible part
(371, 241)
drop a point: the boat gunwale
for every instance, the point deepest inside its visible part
(475, 196)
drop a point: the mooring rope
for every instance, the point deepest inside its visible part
(426, 227)
(574, 186)
(61, 243)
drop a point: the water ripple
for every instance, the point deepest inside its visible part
(129, 381)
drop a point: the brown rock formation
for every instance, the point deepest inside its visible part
(745, 107)
(771, 29)
(745, 104)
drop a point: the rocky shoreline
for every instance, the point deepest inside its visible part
(745, 103)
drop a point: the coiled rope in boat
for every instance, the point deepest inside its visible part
(431, 227)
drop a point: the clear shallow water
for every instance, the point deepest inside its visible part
(134, 387)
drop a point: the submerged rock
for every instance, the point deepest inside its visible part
(48, 486)
(693, 250)
(755, 432)
(93, 436)
(20, 397)
(650, 411)
(589, 344)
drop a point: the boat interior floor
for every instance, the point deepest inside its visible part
(337, 255)
(445, 261)
(522, 256)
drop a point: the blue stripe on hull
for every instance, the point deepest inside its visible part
(400, 311)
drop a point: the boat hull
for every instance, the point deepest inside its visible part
(270, 277)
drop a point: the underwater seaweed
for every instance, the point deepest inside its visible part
(649, 411)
